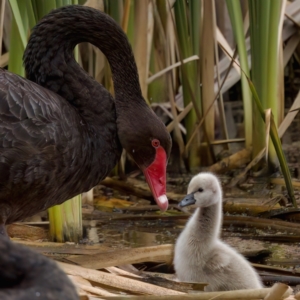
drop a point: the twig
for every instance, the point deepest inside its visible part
(95, 290)
(117, 282)
(124, 256)
(236, 295)
(277, 291)
(170, 68)
(118, 271)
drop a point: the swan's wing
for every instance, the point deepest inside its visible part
(33, 115)
(35, 135)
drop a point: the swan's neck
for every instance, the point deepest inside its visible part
(207, 223)
(50, 62)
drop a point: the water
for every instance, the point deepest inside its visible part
(125, 233)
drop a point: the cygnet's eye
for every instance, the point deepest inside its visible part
(200, 190)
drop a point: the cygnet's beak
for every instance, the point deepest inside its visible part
(187, 200)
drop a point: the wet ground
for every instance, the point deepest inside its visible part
(122, 226)
(120, 234)
(120, 219)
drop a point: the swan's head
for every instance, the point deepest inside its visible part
(145, 138)
(204, 190)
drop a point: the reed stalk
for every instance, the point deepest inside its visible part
(207, 74)
(265, 30)
(142, 45)
(189, 72)
(157, 89)
(115, 9)
(272, 99)
(66, 221)
(235, 14)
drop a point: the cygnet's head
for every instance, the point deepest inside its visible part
(204, 190)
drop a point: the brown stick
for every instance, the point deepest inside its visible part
(118, 282)
(118, 271)
(234, 161)
(128, 187)
(277, 291)
(242, 221)
(124, 256)
(262, 223)
(236, 295)
(95, 290)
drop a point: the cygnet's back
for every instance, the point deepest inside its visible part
(200, 255)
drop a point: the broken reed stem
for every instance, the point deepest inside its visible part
(116, 281)
(234, 295)
(277, 291)
(125, 256)
(120, 272)
(66, 221)
(170, 68)
(95, 290)
(255, 222)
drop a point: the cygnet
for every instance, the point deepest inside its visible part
(200, 255)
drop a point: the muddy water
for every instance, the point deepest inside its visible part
(130, 232)
(124, 233)
(127, 233)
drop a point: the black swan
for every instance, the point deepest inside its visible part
(27, 275)
(61, 132)
(200, 255)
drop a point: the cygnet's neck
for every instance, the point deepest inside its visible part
(207, 222)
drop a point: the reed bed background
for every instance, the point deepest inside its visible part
(193, 57)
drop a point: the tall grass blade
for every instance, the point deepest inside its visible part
(235, 14)
(266, 18)
(2, 23)
(15, 64)
(189, 71)
(141, 44)
(272, 99)
(207, 70)
(158, 89)
(115, 10)
(16, 7)
(44, 7)
(259, 42)
(277, 145)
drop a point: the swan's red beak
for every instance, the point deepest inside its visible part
(156, 177)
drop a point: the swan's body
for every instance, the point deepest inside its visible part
(200, 255)
(61, 132)
(27, 275)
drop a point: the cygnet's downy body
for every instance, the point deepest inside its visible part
(200, 255)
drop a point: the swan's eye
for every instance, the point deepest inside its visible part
(200, 190)
(155, 143)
